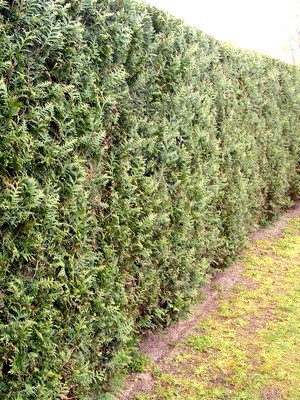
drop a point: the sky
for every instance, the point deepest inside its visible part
(267, 26)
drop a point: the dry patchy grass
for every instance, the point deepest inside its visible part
(249, 347)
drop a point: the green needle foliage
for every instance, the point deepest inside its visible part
(135, 153)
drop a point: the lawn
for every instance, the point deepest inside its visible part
(248, 348)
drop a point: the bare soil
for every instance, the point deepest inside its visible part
(158, 346)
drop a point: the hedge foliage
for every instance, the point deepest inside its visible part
(135, 153)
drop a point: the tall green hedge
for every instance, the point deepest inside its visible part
(135, 153)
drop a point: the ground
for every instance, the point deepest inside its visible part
(242, 342)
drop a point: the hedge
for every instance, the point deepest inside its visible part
(136, 154)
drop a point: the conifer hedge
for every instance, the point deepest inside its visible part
(135, 154)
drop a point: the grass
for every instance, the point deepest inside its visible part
(249, 347)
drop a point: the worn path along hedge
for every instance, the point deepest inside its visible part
(136, 153)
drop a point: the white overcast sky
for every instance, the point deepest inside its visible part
(263, 25)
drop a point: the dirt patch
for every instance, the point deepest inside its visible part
(276, 228)
(137, 383)
(162, 345)
(158, 346)
(270, 394)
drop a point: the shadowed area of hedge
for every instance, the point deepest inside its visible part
(135, 153)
